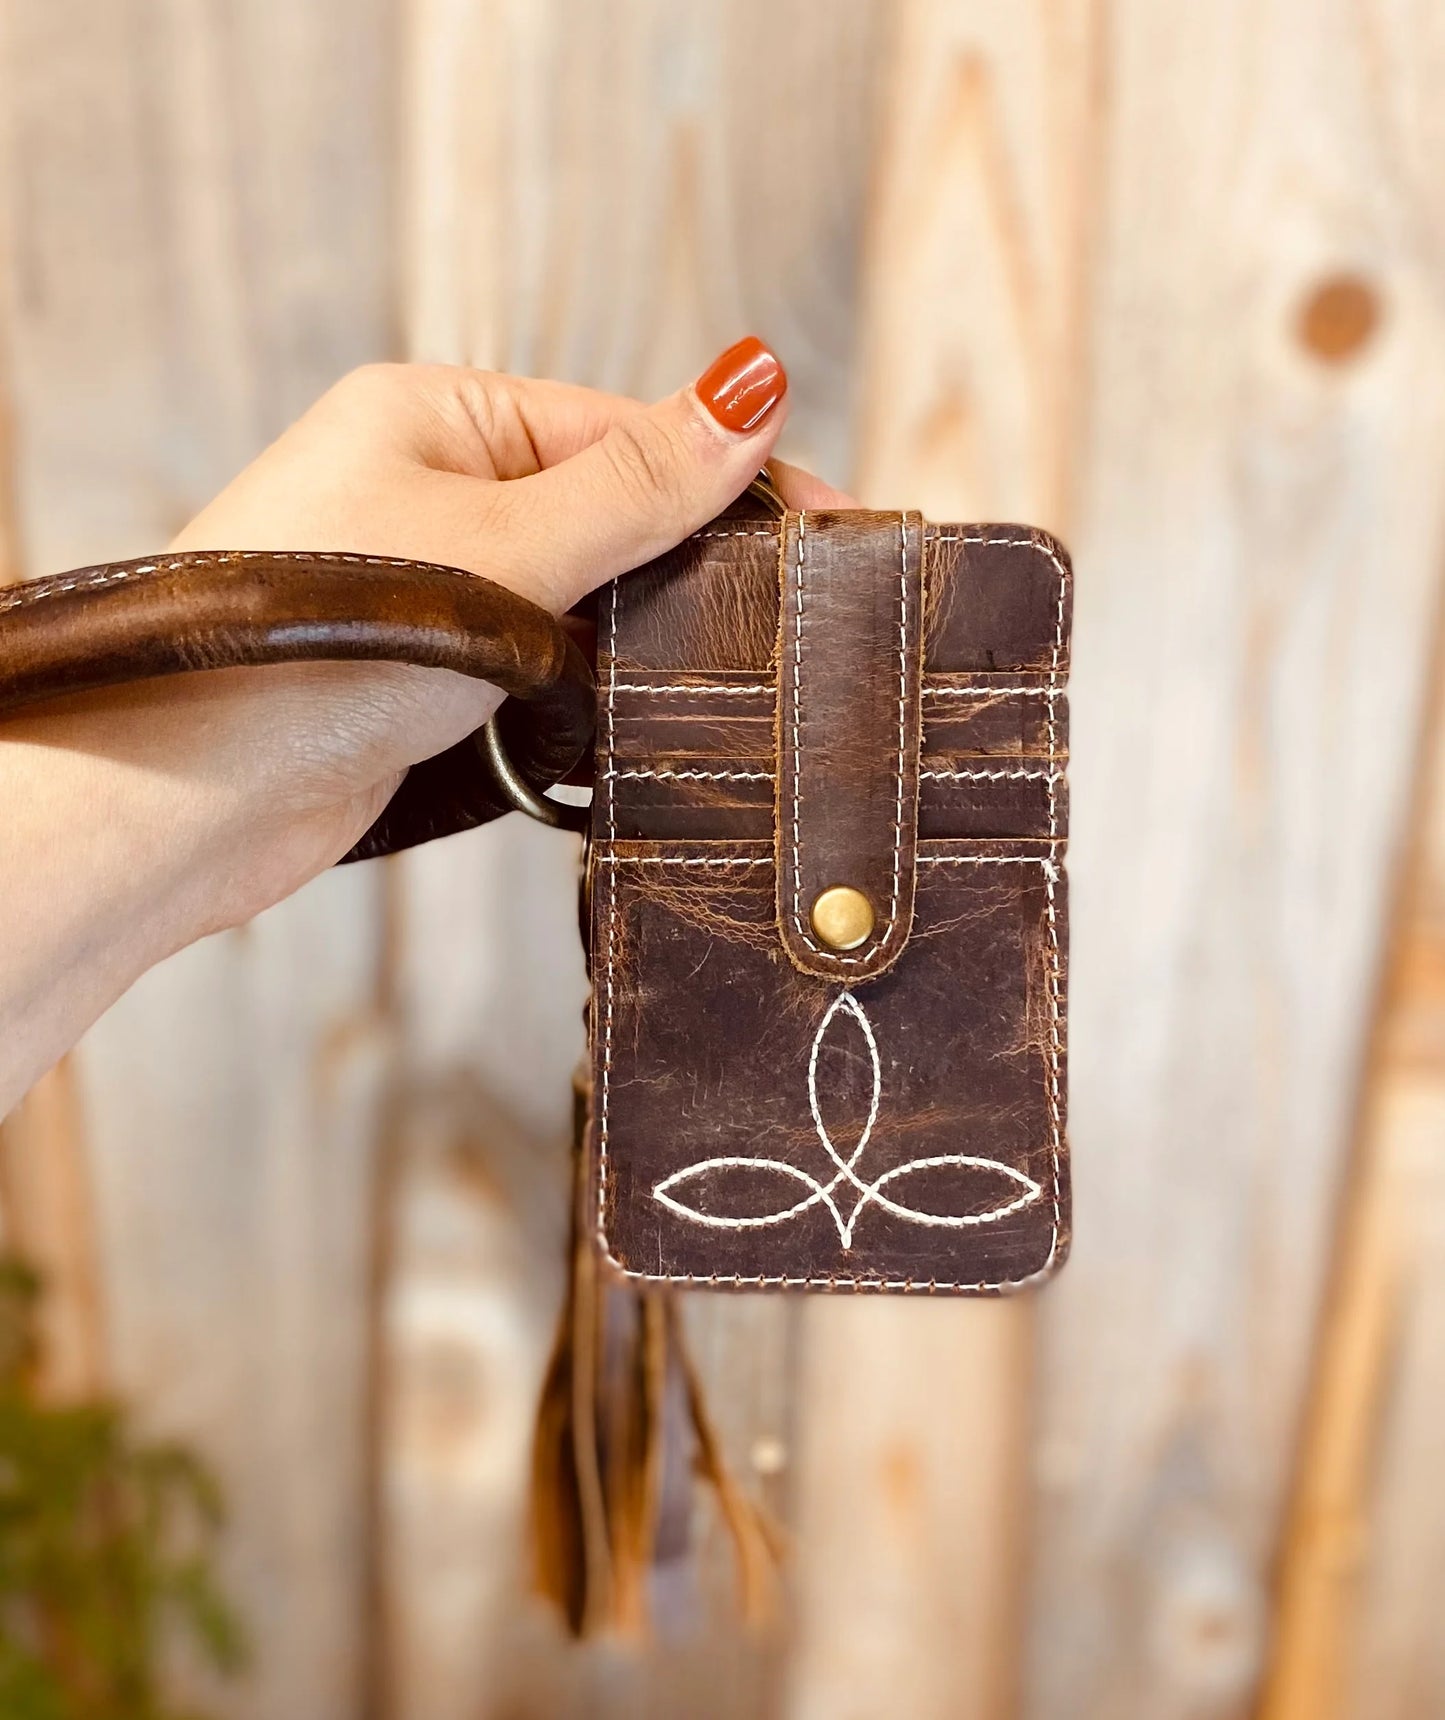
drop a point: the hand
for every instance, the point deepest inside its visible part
(152, 815)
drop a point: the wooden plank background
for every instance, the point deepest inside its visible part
(1168, 279)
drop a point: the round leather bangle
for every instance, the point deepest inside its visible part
(129, 621)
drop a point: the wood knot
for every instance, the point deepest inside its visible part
(1338, 318)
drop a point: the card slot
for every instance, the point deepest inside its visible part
(754, 855)
(1028, 806)
(996, 727)
(666, 736)
(687, 684)
(1012, 730)
(681, 819)
(998, 605)
(1029, 803)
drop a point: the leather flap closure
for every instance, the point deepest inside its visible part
(850, 659)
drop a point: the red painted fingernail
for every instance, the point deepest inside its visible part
(742, 386)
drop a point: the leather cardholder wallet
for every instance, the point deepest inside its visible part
(829, 910)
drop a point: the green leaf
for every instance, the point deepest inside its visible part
(106, 1543)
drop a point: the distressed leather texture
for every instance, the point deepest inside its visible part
(850, 714)
(839, 698)
(130, 621)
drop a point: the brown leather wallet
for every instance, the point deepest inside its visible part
(829, 909)
(827, 898)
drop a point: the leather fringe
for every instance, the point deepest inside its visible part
(622, 1403)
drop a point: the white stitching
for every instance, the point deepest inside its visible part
(990, 775)
(611, 710)
(983, 692)
(662, 775)
(1052, 692)
(611, 908)
(53, 588)
(1056, 1130)
(842, 1281)
(834, 1282)
(759, 689)
(797, 700)
(767, 860)
(1051, 873)
(902, 719)
(665, 775)
(846, 1171)
(35, 589)
(682, 860)
(682, 687)
(845, 1000)
(1052, 717)
(995, 538)
(984, 859)
(881, 941)
(1000, 539)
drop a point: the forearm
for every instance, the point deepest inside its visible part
(133, 823)
(98, 880)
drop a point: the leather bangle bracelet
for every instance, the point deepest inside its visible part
(130, 621)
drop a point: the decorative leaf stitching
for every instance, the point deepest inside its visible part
(846, 1168)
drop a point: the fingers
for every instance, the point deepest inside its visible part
(653, 477)
(800, 489)
(482, 424)
(549, 489)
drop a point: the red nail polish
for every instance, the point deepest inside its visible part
(742, 386)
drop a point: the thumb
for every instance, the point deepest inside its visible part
(651, 479)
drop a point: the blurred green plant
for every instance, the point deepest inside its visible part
(105, 1549)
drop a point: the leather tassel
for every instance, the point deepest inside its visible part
(757, 1539)
(622, 1431)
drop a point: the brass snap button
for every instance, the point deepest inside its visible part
(842, 917)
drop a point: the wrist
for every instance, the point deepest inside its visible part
(109, 867)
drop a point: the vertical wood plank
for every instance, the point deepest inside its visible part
(1397, 1669)
(1365, 1544)
(607, 195)
(913, 1476)
(612, 195)
(1258, 539)
(1369, 1552)
(233, 1188)
(47, 1218)
(198, 214)
(45, 1197)
(1358, 1632)
(919, 1416)
(978, 264)
(465, 1335)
